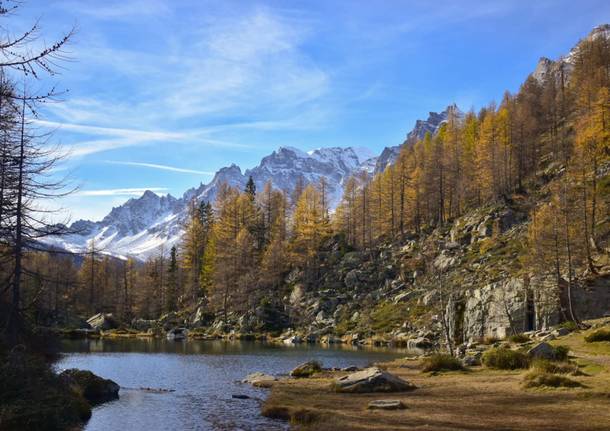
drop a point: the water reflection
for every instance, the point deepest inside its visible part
(203, 375)
(211, 347)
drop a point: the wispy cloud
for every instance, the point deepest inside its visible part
(161, 167)
(115, 138)
(135, 191)
(120, 9)
(111, 131)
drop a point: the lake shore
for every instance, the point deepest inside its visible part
(477, 398)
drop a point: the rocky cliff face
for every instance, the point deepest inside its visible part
(396, 292)
(430, 125)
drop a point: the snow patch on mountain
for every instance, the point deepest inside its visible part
(143, 226)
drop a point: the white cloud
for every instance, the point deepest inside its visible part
(162, 167)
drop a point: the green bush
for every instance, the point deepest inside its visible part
(570, 325)
(537, 379)
(549, 367)
(441, 362)
(599, 335)
(488, 340)
(561, 353)
(519, 338)
(505, 359)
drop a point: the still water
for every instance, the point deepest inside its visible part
(203, 376)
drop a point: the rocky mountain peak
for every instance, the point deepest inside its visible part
(430, 125)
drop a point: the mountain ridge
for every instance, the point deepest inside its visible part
(141, 226)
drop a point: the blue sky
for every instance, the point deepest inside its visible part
(162, 93)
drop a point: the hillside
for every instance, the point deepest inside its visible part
(479, 225)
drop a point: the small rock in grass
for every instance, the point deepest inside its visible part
(386, 405)
(542, 351)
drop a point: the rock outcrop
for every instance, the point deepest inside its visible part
(102, 322)
(306, 369)
(95, 389)
(371, 380)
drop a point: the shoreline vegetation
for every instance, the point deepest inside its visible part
(567, 393)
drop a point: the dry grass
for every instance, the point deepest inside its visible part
(441, 362)
(537, 379)
(482, 399)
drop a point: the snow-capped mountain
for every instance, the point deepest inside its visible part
(546, 66)
(431, 125)
(141, 226)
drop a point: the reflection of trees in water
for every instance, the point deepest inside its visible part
(224, 347)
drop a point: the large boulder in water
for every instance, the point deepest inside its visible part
(307, 369)
(94, 388)
(102, 322)
(372, 380)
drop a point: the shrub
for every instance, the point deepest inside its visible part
(546, 366)
(441, 362)
(537, 379)
(505, 359)
(599, 335)
(519, 338)
(488, 340)
(570, 325)
(561, 353)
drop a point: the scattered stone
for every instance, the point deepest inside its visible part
(259, 380)
(350, 369)
(102, 322)
(142, 325)
(419, 343)
(295, 339)
(306, 369)
(371, 380)
(542, 351)
(157, 390)
(177, 334)
(386, 405)
(240, 396)
(95, 389)
(330, 339)
(561, 332)
(471, 361)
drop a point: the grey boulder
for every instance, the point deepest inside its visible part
(371, 380)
